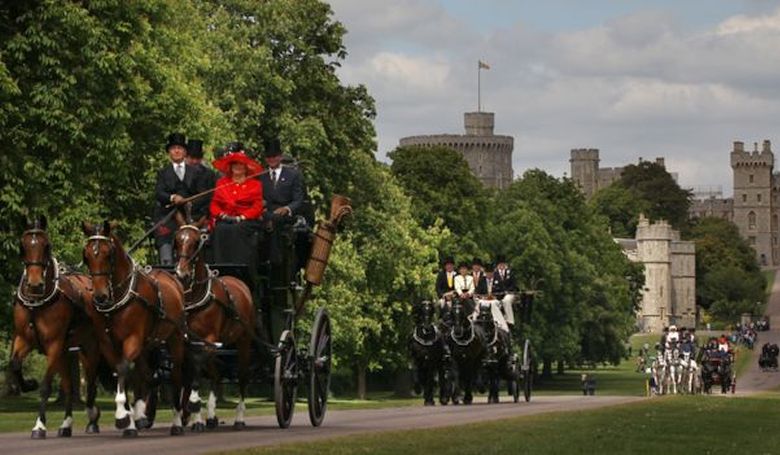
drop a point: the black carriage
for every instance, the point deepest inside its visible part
(717, 370)
(768, 359)
(292, 262)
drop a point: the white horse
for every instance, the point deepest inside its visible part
(674, 370)
(659, 373)
(691, 373)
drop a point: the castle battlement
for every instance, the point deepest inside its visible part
(756, 158)
(660, 230)
(584, 154)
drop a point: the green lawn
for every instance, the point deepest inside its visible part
(694, 425)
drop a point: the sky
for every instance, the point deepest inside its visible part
(682, 79)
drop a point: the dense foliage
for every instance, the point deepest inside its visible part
(729, 280)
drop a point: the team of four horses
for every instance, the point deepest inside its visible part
(142, 323)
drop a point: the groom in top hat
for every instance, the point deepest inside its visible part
(175, 182)
(205, 179)
(283, 187)
(505, 285)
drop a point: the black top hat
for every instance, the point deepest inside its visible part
(176, 139)
(448, 260)
(500, 258)
(195, 148)
(476, 261)
(272, 147)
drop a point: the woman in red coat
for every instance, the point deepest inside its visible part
(236, 208)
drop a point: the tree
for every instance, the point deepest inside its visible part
(621, 207)
(442, 187)
(651, 183)
(728, 276)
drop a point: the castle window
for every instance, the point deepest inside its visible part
(751, 178)
(752, 221)
(744, 198)
(758, 197)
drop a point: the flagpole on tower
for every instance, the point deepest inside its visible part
(480, 66)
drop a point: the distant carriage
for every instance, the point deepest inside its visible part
(717, 370)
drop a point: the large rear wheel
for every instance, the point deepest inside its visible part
(527, 370)
(319, 367)
(285, 379)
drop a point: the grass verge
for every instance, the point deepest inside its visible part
(691, 424)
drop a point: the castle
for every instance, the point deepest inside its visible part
(669, 295)
(489, 155)
(585, 171)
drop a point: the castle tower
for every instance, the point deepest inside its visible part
(489, 155)
(753, 211)
(653, 243)
(585, 170)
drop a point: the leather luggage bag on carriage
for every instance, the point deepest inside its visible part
(340, 207)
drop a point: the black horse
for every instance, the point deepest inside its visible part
(427, 349)
(467, 345)
(768, 359)
(499, 361)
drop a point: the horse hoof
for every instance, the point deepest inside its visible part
(38, 434)
(429, 403)
(198, 427)
(93, 428)
(142, 424)
(177, 430)
(417, 389)
(130, 433)
(122, 423)
(467, 401)
(65, 432)
(212, 423)
(238, 426)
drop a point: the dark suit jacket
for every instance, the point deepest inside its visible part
(205, 179)
(289, 190)
(481, 287)
(508, 284)
(441, 283)
(168, 184)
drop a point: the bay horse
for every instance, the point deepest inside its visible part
(219, 312)
(49, 315)
(467, 345)
(426, 347)
(135, 313)
(498, 346)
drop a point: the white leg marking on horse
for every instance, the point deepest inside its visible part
(39, 425)
(211, 406)
(240, 411)
(176, 418)
(194, 397)
(139, 412)
(120, 400)
(67, 423)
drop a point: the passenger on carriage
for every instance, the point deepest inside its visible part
(480, 281)
(723, 344)
(484, 293)
(673, 337)
(464, 285)
(445, 283)
(236, 209)
(176, 181)
(504, 287)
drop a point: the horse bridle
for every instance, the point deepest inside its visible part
(130, 293)
(32, 302)
(201, 244)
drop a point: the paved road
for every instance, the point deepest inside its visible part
(264, 431)
(754, 380)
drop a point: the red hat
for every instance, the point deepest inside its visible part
(223, 164)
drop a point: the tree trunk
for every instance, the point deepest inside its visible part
(547, 368)
(361, 382)
(560, 367)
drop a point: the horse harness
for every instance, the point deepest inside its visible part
(417, 338)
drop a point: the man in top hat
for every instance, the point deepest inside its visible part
(283, 187)
(175, 182)
(205, 179)
(504, 286)
(445, 282)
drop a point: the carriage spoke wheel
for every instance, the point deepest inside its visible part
(528, 374)
(285, 380)
(319, 367)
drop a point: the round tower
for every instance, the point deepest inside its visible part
(653, 243)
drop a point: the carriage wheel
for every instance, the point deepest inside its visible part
(527, 373)
(319, 367)
(285, 379)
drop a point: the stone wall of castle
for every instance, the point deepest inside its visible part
(489, 155)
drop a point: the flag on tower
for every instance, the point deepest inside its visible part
(483, 65)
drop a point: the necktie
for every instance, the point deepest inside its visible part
(274, 175)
